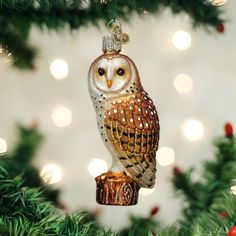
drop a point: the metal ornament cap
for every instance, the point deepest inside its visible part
(109, 45)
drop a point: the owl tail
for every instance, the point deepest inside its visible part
(145, 177)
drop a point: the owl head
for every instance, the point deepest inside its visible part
(112, 75)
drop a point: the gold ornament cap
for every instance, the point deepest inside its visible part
(109, 44)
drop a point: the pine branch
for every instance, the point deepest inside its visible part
(218, 173)
(141, 226)
(17, 201)
(30, 139)
(204, 196)
(24, 212)
(190, 190)
(17, 17)
(19, 161)
(184, 184)
(168, 231)
(212, 223)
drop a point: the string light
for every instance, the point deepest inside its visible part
(97, 167)
(51, 174)
(145, 12)
(146, 191)
(3, 146)
(181, 40)
(193, 129)
(62, 116)
(5, 54)
(85, 4)
(183, 83)
(165, 156)
(219, 2)
(233, 187)
(59, 69)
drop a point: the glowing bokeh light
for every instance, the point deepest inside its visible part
(146, 191)
(181, 40)
(62, 116)
(51, 174)
(165, 156)
(219, 2)
(97, 167)
(59, 69)
(183, 83)
(233, 190)
(3, 146)
(193, 129)
(85, 4)
(233, 187)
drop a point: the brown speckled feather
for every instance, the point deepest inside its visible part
(132, 128)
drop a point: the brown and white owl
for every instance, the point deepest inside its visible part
(126, 116)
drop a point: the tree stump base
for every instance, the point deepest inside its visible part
(116, 189)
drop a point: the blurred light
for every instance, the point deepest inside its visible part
(62, 116)
(193, 130)
(145, 12)
(146, 191)
(85, 4)
(97, 167)
(219, 2)
(183, 83)
(165, 156)
(181, 40)
(233, 187)
(233, 190)
(51, 174)
(3, 146)
(5, 54)
(59, 69)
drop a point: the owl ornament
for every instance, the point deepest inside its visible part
(128, 124)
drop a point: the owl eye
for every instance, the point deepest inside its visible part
(101, 71)
(120, 72)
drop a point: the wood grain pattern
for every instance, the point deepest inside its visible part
(116, 189)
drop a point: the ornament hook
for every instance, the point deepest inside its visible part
(114, 27)
(113, 7)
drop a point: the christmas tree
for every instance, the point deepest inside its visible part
(210, 210)
(19, 162)
(26, 202)
(18, 16)
(208, 199)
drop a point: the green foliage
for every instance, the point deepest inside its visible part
(169, 231)
(211, 208)
(17, 17)
(29, 142)
(217, 175)
(206, 198)
(140, 226)
(211, 222)
(19, 161)
(24, 212)
(80, 224)
(16, 201)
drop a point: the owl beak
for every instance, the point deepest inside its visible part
(109, 83)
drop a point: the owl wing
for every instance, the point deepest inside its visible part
(132, 128)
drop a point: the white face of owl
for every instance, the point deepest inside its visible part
(110, 75)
